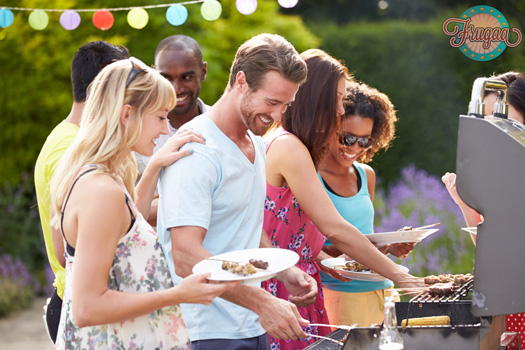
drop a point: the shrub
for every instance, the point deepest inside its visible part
(20, 230)
(17, 286)
(418, 199)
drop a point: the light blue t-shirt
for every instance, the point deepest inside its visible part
(219, 189)
(359, 211)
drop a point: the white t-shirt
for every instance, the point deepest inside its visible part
(219, 189)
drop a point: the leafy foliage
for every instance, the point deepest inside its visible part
(16, 285)
(20, 230)
(35, 90)
(428, 81)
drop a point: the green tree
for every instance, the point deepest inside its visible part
(427, 79)
(35, 90)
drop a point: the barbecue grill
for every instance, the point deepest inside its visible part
(490, 168)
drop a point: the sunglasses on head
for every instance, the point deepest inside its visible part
(137, 66)
(349, 140)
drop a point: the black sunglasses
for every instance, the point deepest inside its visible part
(137, 66)
(349, 140)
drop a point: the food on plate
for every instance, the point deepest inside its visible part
(406, 228)
(426, 321)
(248, 268)
(239, 268)
(260, 264)
(355, 266)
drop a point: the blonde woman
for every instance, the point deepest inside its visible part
(118, 289)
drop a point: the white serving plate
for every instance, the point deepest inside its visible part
(400, 236)
(337, 263)
(278, 260)
(473, 230)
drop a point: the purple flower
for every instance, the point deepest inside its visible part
(282, 213)
(16, 271)
(268, 204)
(306, 252)
(150, 266)
(123, 250)
(418, 199)
(296, 242)
(272, 288)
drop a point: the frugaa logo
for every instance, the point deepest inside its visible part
(482, 33)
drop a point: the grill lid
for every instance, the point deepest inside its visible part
(490, 169)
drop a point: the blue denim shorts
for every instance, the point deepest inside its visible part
(257, 343)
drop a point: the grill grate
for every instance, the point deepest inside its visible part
(459, 293)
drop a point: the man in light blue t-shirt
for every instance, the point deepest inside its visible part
(212, 202)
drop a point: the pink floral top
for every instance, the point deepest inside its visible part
(139, 266)
(288, 227)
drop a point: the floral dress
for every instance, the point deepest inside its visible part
(289, 227)
(139, 266)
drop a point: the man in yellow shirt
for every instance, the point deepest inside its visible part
(86, 64)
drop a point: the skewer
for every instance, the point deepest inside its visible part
(427, 226)
(326, 338)
(228, 261)
(413, 280)
(348, 328)
(411, 288)
(411, 293)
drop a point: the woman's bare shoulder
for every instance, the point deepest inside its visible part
(287, 145)
(98, 188)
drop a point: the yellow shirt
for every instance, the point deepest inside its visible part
(56, 144)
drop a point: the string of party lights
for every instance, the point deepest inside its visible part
(137, 17)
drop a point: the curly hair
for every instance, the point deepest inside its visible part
(366, 102)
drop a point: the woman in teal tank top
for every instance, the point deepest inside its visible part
(367, 127)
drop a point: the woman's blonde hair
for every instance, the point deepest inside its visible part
(102, 138)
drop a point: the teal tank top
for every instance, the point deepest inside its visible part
(359, 211)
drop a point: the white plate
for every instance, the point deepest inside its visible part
(356, 275)
(473, 230)
(400, 236)
(278, 260)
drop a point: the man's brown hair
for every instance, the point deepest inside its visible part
(264, 53)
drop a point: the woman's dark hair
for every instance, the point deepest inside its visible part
(313, 115)
(366, 102)
(515, 90)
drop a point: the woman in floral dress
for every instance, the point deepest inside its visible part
(298, 212)
(118, 293)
